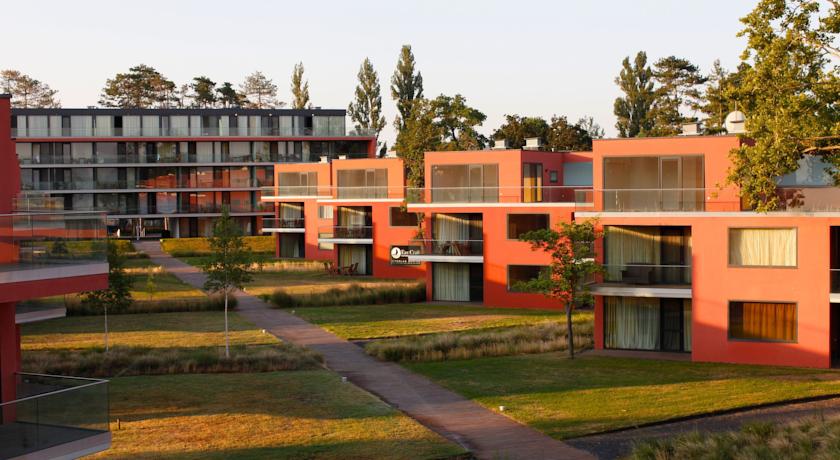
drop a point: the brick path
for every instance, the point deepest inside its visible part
(485, 433)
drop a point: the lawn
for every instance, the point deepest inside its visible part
(313, 281)
(566, 398)
(378, 321)
(297, 414)
(153, 330)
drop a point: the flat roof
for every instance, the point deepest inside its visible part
(177, 111)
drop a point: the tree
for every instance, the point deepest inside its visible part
(457, 122)
(26, 91)
(229, 265)
(788, 88)
(260, 92)
(117, 295)
(204, 92)
(151, 284)
(633, 109)
(228, 96)
(406, 86)
(141, 87)
(679, 82)
(517, 128)
(717, 99)
(183, 95)
(300, 89)
(421, 134)
(572, 264)
(593, 129)
(563, 135)
(366, 110)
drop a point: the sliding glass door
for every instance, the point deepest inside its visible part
(644, 323)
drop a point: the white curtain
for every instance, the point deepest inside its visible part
(631, 245)
(104, 125)
(687, 325)
(131, 126)
(179, 125)
(762, 247)
(349, 254)
(291, 211)
(37, 126)
(631, 323)
(451, 227)
(451, 282)
(351, 216)
(81, 125)
(151, 125)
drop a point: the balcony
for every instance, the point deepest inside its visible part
(346, 234)
(55, 417)
(283, 192)
(368, 193)
(654, 200)
(464, 251)
(195, 131)
(467, 195)
(283, 225)
(645, 280)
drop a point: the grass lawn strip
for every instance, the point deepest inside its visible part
(299, 414)
(566, 398)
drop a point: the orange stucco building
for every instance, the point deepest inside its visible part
(687, 268)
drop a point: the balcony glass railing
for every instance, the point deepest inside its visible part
(456, 248)
(547, 194)
(126, 185)
(349, 232)
(281, 191)
(648, 274)
(364, 193)
(50, 411)
(271, 222)
(190, 132)
(675, 199)
(33, 240)
(835, 281)
(809, 199)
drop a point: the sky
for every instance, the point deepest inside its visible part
(527, 57)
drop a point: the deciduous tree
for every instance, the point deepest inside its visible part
(117, 296)
(563, 135)
(406, 86)
(260, 92)
(517, 128)
(300, 89)
(421, 134)
(366, 109)
(27, 92)
(457, 122)
(633, 110)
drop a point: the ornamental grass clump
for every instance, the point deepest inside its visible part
(355, 294)
(540, 338)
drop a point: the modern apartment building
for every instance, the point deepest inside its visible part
(170, 171)
(688, 268)
(45, 252)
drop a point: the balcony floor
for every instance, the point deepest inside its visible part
(66, 439)
(668, 291)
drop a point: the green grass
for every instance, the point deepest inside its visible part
(378, 321)
(566, 398)
(813, 437)
(200, 246)
(301, 414)
(355, 294)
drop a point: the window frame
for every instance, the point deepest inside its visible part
(507, 222)
(729, 263)
(730, 338)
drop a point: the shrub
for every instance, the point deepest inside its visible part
(353, 295)
(193, 247)
(540, 338)
(124, 361)
(209, 303)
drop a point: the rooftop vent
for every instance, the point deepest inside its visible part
(735, 122)
(342, 157)
(691, 129)
(533, 143)
(324, 159)
(500, 144)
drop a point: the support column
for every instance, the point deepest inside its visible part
(9, 351)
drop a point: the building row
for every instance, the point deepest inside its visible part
(687, 267)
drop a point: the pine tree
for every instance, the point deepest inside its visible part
(204, 92)
(633, 109)
(366, 110)
(406, 86)
(300, 89)
(679, 82)
(718, 100)
(141, 87)
(27, 92)
(228, 96)
(260, 92)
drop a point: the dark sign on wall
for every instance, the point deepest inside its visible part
(399, 254)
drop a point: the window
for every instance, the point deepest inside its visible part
(362, 183)
(762, 247)
(651, 183)
(518, 275)
(325, 212)
(402, 218)
(552, 177)
(765, 321)
(522, 223)
(326, 246)
(578, 174)
(465, 183)
(532, 182)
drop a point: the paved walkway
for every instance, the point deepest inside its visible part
(485, 433)
(615, 445)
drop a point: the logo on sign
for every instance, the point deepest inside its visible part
(399, 255)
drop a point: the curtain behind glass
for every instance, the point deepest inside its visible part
(687, 324)
(631, 323)
(349, 254)
(451, 227)
(451, 282)
(762, 247)
(631, 245)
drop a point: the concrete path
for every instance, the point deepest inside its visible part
(487, 434)
(615, 445)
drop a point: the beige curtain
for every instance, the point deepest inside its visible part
(630, 245)
(351, 216)
(291, 211)
(765, 247)
(451, 227)
(289, 246)
(631, 323)
(687, 325)
(451, 282)
(349, 254)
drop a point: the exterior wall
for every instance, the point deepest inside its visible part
(310, 207)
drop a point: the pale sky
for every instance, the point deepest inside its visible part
(526, 57)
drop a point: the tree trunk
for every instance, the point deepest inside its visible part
(106, 328)
(569, 334)
(227, 340)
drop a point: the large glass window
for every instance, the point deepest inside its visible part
(763, 321)
(297, 183)
(151, 125)
(762, 247)
(654, 183)
(522, 223)
(532, 182)
(647, 323)
(465, 183)
(647, 255)
(362, 183)
(81, 125)
(106, 152)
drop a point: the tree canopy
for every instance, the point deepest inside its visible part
(366, 108)
(203, 92)
(679, 84)
(300, 89)
(260, 92)
(557, 135)
(421, 134)
(457, 122)
(140, 88)
(406, 86)
(27, 92)
(633, 110)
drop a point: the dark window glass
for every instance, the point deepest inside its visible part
(402, 218)
(518, 275)
(762, 321)
(522, 223)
